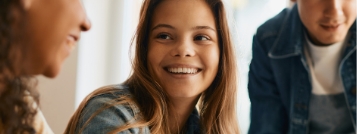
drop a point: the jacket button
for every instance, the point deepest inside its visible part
(353, 90)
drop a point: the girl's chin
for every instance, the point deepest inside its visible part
(52, 72)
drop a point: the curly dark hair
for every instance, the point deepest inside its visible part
(17, 95)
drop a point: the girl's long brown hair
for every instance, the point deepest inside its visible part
(16, 112)
(218, 103)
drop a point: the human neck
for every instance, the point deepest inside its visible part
(179, 111)
(318, 43)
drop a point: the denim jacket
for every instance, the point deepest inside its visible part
(279, 80)
(118, 115)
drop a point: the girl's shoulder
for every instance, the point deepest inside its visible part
(113, 91)
(114, 96)
(111, 107)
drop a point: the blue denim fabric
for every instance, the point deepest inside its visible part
(279, 81)
(119, 115)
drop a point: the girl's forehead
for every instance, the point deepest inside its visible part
(186, 12)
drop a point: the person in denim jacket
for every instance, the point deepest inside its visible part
(183, 54)
(302, 75)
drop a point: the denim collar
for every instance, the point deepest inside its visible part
(193, 123)
(291, 38)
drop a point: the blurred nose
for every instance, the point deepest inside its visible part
(184, 48)
(333, 9)
(86, 24)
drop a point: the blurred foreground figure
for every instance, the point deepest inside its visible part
(36, 36)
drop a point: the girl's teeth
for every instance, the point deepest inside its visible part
(182, 70)
(185, 70)
(179, 70)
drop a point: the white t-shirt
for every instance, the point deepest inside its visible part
(324, 64)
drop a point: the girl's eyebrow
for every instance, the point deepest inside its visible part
(162, 25)
(204, 27)
(171, 27)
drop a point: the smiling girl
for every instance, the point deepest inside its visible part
(184, 57)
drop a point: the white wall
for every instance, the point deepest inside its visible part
(104, 52)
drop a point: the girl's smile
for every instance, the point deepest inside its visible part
(182, 71)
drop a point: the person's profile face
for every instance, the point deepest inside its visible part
(52, 30)
(183, 51)
(327, 21)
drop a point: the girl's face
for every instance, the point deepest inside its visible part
(53, 28)
(183, 52)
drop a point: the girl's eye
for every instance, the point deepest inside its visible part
(164, 36)
(201, 38)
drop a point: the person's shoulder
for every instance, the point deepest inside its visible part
(110, 107)
(113, 91)
(272, 27)
(115, 97)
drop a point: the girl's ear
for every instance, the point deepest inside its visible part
(26, 4)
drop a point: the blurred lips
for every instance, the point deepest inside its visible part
(330, 27)
(73, 37)
(70, 43)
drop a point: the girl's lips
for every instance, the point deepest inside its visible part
(75, 37)
(70, 44)
(182, 69)
(71, 38)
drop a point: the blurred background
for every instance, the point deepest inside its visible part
(102, 56)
